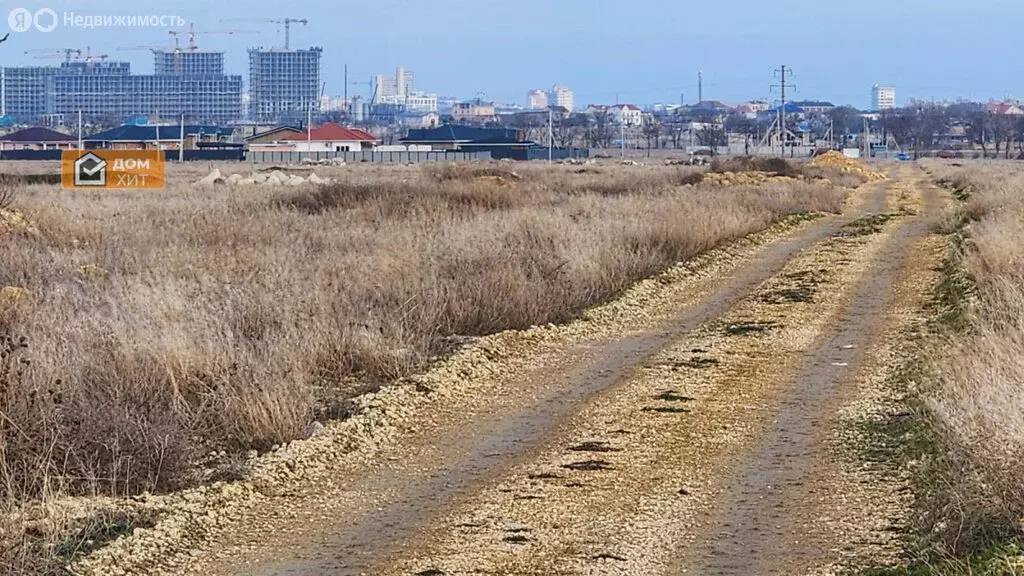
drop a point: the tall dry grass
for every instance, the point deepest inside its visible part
(980, 398)
(164, 324)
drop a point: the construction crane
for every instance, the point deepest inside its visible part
(48, 53)
(66, 53)
(286, 21)
(192, 32)
(288, 28)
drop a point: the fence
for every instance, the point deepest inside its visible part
(169, 155)
(368, 156)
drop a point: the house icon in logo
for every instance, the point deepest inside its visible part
(90, 170)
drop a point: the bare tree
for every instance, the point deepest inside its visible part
(652, 130)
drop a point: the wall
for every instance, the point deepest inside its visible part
(367, 156)
(315, 146)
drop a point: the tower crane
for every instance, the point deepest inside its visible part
(287, 22)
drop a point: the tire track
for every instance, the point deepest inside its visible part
(629, 479)
(766, 522)
(368, 511)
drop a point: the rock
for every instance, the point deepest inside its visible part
(296, 181)
(314, 179)
(259, 177)
(316, 429)
(234, 178)
(211, 179)
(308, 160)
(245, 182)
(92, 271)
(12, 221)
(12, 294)
(338, 161)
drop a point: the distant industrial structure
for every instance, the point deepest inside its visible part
(284, 84)
(883, 97)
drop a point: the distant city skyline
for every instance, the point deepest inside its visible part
(837, 52)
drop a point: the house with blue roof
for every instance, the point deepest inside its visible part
(467, 138)
(161, 137)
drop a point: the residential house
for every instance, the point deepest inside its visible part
(412, 119)
(1004, 109)
(38, 138)
(271, 135)
(747, 111)
(473, 111)
(329, 137)
(814, 107)
(467, 138)
(159, 137)
(626, 115)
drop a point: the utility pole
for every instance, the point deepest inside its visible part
(551, 133)
(346, 86)
(181, 140)
(700, 87)
(622, 137)
(782, 109)
(80, 147)
(867, 141)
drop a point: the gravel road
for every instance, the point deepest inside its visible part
(683, 429)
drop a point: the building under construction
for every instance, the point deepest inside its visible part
(191, 62)
(284, 84)
(189, 82)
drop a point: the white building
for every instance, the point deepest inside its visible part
(536, 100)
(626, 114)
(883, 97)
(332, 103)
(401, 84)
(562, 96)
(414, 101)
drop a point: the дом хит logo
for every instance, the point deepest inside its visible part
(112, 169)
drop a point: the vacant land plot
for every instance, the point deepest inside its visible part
(979, 397)
(142, 330)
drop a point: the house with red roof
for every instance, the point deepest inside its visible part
(329, 137)
(1004, 108)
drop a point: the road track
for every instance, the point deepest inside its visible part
(679, 436)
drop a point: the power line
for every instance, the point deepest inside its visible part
(781, 72)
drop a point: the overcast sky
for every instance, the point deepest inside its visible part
(642, 51)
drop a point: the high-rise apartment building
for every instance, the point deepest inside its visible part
(108, 91)
(284, 85)
(562, 96)
(883, 97)
(188, 63)
(402, 84)
(400, 90)
(536, 99)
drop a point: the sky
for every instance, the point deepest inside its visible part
(606, 51)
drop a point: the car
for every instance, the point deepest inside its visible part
(903, 157)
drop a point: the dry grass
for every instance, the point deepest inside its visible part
(162, 325)
(980, 398)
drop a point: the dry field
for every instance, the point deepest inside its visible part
(143, 330)
(979, 398)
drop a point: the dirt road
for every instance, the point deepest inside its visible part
(683, 429)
